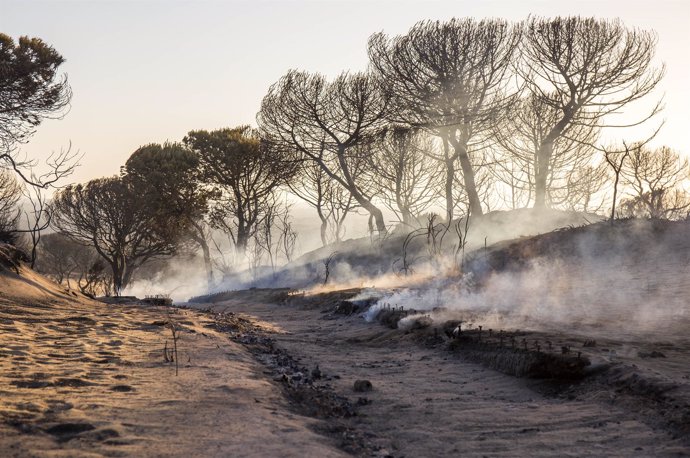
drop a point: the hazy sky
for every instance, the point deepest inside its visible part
(150, 71)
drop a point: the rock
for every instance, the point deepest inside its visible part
(653, 354)
(316, 373)
(362, 386)
(363, 401)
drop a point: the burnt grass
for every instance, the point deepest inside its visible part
(509, 352)
(635, 237)
(307, 390)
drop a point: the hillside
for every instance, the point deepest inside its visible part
(369, 260)
(268, 372)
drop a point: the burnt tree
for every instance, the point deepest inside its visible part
(450, 78)
(245, 172)
(119, 221)
(584, 69)
(407, 177)
(329, 123)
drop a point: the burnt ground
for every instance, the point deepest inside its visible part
(429, 401)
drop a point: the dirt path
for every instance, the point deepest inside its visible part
(427, 402)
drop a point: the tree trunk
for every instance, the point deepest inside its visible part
(450, 203)
(400, 201)
(34, 245)
(467, 176)
(377, 215)
(403, 208)
(242, 240)
(541, 174)
(200, 238)
(127, 275)
(117, 278)
(351, 186)
(407, 217)
(243, 226)
(449, 162)
(324, 225)
(207, 263)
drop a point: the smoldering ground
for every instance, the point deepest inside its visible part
(631, 278)
(377, 261)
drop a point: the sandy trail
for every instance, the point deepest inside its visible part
(79, 378)
(428, 402)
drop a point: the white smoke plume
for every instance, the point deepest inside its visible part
(643, 289)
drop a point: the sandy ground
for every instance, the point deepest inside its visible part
(79, 378)
(429, 402)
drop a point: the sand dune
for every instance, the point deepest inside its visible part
(79, 378)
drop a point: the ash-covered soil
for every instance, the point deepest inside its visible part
(432, 398)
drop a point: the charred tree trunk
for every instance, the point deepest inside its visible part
(117, 277)
(206, 251)
(407, 217)
(617, 169)
(541, 174)
(450, 176)
(462, 155)
(400, 200)
(362, 200)
(200, 238)
(449, 162)
(324, 225)
(470, 185)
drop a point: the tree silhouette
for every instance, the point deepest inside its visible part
(119, 221)
(450, 78)
(329, 123)
(583, 70)
(245, 171)
(30, 91)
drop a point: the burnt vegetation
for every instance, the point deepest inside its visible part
(458, 137)
(454, 118)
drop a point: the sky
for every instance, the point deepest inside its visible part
(150, 71)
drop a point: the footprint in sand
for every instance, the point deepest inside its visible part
(64, 432)
(121, 388)
(73, 382)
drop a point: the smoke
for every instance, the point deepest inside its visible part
(629, 279)
(377, 261)
(179, 278)
(635, 281)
